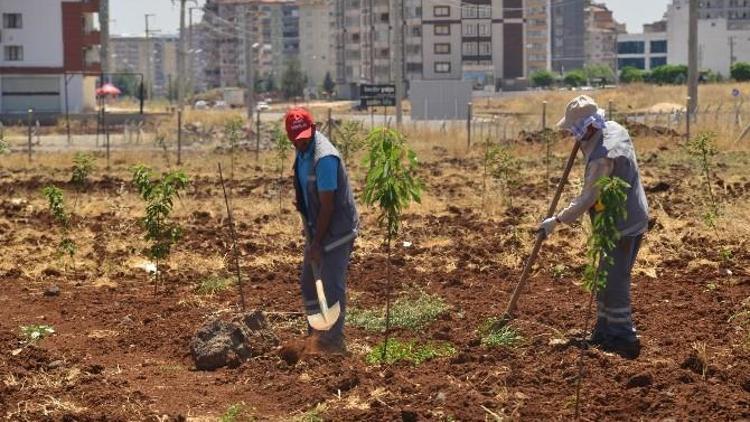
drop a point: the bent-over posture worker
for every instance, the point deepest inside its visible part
(608, 151)
(324, 199)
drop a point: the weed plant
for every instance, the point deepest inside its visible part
(233, 134)
(494, 335)
(407, 313)
(212, 285)
(409, 351)
(34, 333)
(703, 149)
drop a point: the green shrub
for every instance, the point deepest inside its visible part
(409, 351)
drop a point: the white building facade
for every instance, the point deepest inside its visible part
(49, 55)
(723, 35)
(316, 41)
(643, 51)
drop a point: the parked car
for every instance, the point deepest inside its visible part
(221, 105)
(200, 105)
(262, 106)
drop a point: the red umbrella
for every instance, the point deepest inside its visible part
(107, 89)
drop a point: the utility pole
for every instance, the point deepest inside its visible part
(692, 58)
(149, 54)
(104, 37)
(191, 63)
(181, 58)
(397, 25)
(249, 76)
(731, 51)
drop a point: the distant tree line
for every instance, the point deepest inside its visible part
(668, 74)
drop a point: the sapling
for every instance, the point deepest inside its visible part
(351, 138)
(608, 210)
(233, 134)
(83, 164)
(505, 168)
(703, 149)
(159, 196)
(391, 183)
(56, 202)
(282, 146)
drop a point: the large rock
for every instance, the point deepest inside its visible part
(229, 343)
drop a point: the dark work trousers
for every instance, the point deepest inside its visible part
(333, 271)
(614, 315)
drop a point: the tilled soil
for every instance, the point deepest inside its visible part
(120, 352)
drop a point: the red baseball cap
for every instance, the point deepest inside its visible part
(299, 124)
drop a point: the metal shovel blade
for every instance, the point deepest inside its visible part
(327, 317)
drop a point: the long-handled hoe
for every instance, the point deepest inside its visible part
(235, 251)
(508, 315)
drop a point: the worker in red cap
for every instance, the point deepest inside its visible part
(324, 199)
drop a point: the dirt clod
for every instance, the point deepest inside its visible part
(641, 380)
(229, 343)
(52, 291)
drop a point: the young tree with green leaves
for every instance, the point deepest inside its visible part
(293, 80)
(159, 196)
(392, 184)
(283, 147)
(233, 133)
(741, 71)
(83, 164)
(328, 85)
(56, 203)
(702, 148)
(543, 78)
(351, 138)
(505, 168)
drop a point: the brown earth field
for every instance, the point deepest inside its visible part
(121, 352)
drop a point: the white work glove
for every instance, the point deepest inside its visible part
(548, 226)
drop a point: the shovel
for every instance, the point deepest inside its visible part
(327, 317)
(508, 315)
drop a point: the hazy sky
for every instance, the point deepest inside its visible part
(128, 14)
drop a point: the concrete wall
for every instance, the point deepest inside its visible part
(440, 100)
(40, 35)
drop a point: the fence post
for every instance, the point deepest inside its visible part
(544, 116)
(687, 120)
(179, 137)
(257, 134)
(330, 125)
(372, 118)
(609, 111)
(468, 127)
(30, 118)
(106, 133)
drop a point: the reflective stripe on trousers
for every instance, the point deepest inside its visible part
(614, 317)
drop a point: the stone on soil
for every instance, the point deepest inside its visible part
(229, 343)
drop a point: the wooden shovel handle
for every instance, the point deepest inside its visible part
(540, 236)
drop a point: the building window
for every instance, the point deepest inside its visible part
(442, 67)
(12, 21)
(659, 46)
(469, 48)
(13, 53)
(632, 62)
(442, 48)
(416, 31)
(442, 29)
(441, 11)
(468, 12)
(658, 61)
(484, 30)
(630, 47)
(485, 12)
(485, 48)
(469, 29)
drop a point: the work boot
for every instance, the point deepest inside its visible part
(626, 348)
(317, 343)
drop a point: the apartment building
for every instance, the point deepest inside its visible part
(317, 52)
(568, 37)
(537, 43)
(600, 37)
(272, 24)
(154, 57)
(50, 59)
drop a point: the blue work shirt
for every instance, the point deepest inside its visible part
(326, 172)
